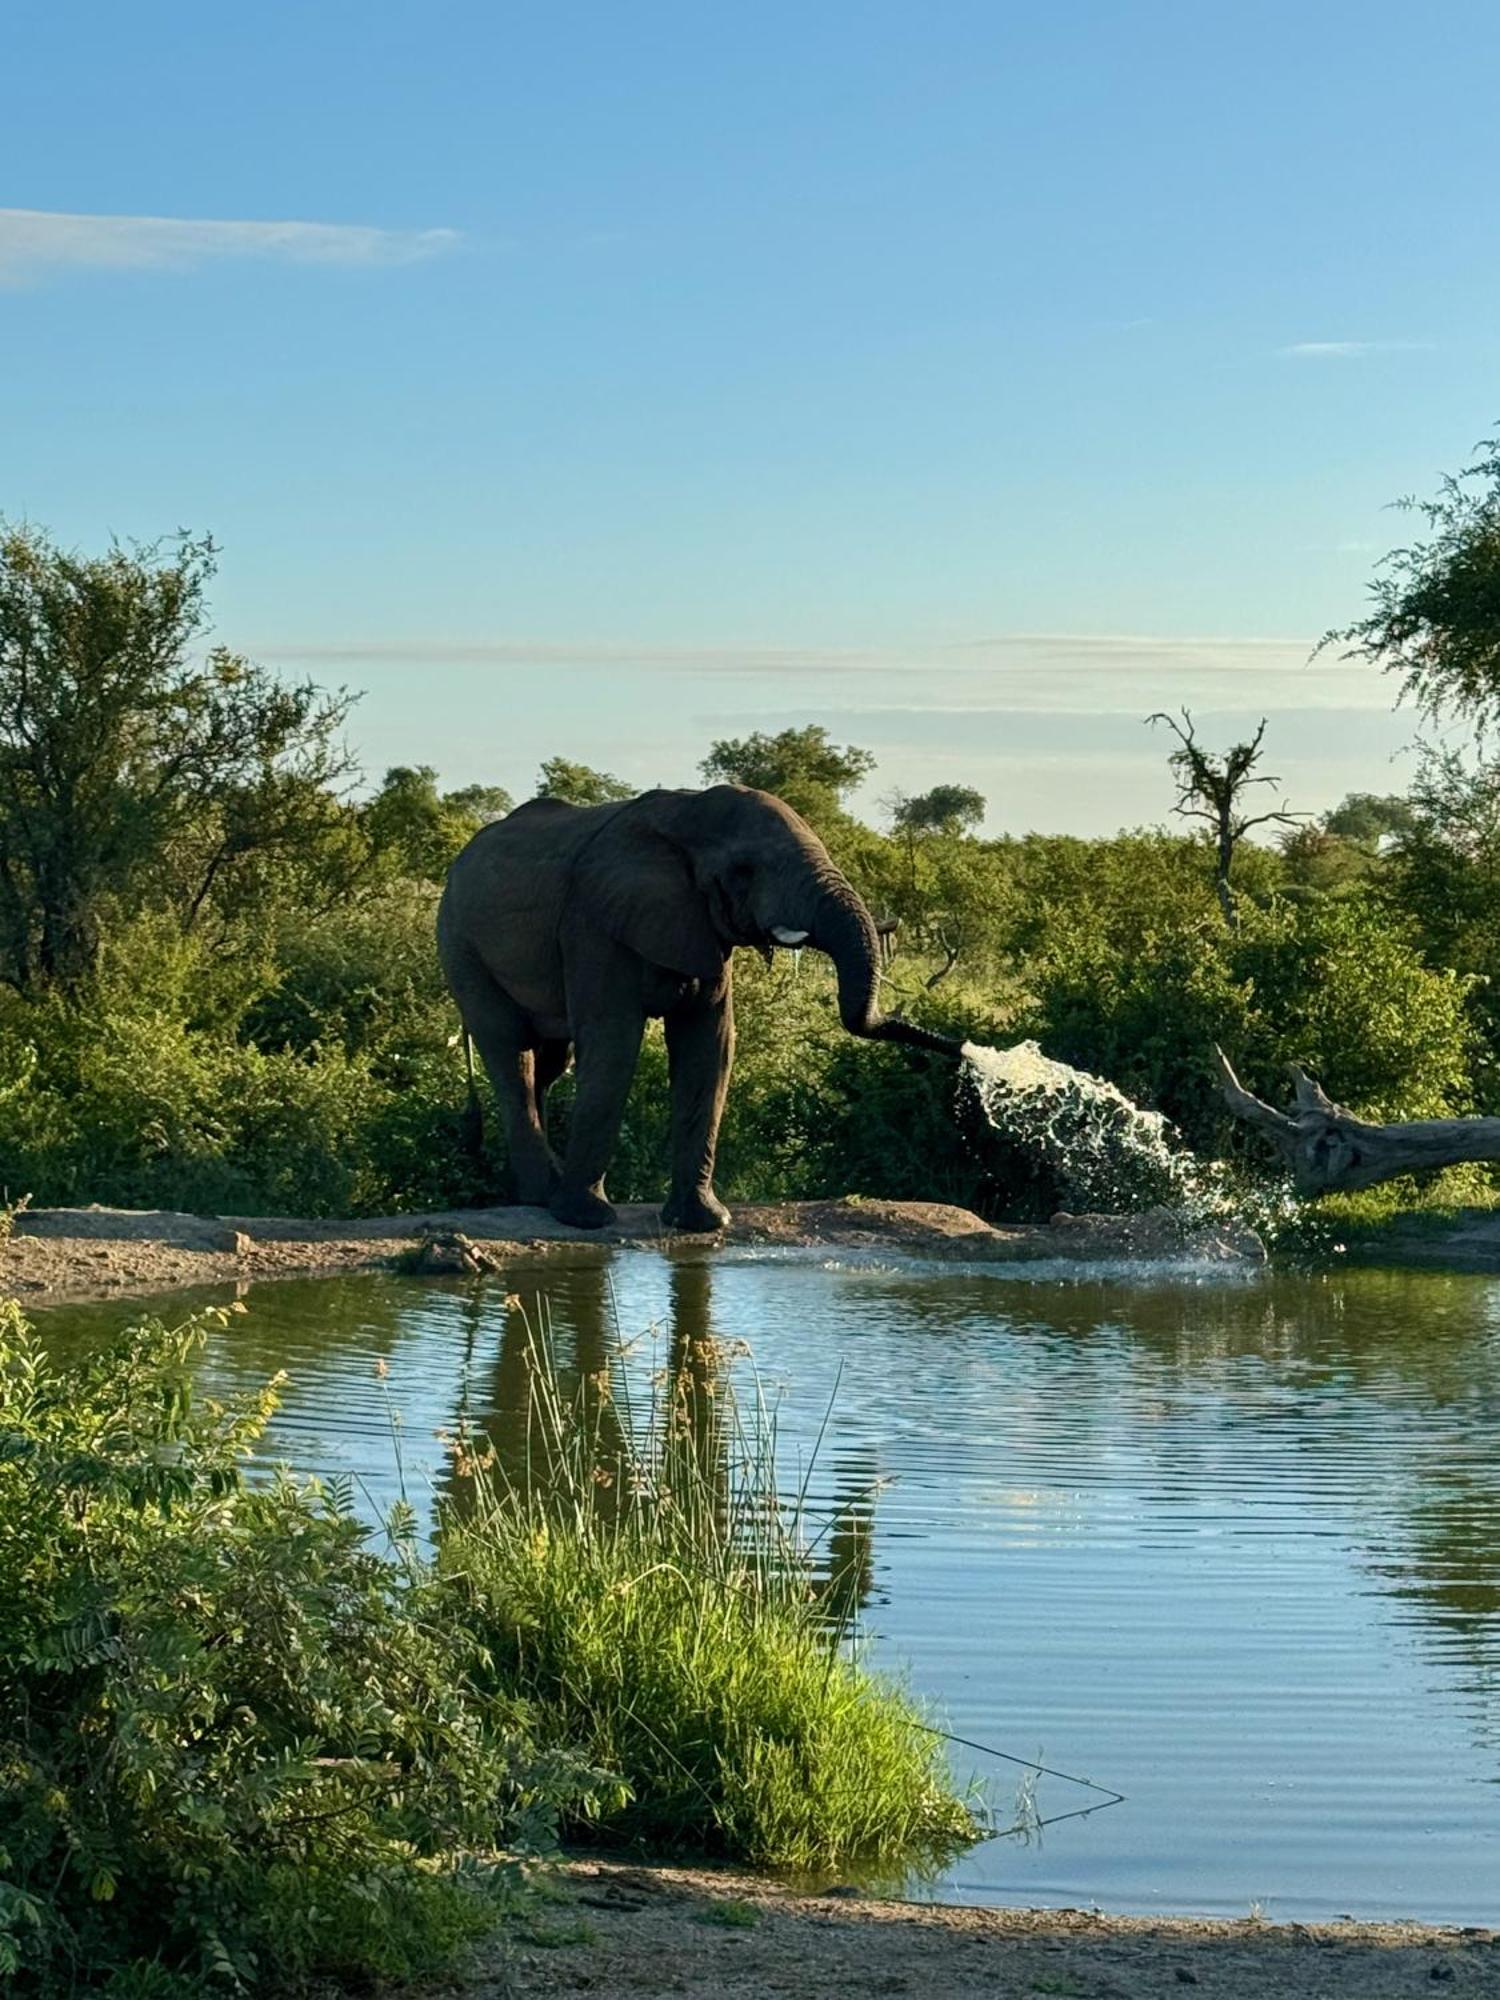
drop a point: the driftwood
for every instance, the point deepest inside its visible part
(1330, 1151)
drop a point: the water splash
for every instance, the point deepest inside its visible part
(1107, 1154)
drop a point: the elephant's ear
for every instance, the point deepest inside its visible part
(636, 884)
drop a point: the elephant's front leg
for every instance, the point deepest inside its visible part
(700, 1053)
(605, 1054)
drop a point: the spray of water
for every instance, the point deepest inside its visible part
(1108, 1155)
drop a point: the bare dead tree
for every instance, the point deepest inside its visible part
(1212, 789)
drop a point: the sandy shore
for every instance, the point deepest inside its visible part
(634, 1931)
(96, 1252)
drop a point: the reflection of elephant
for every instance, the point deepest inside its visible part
(569, 926)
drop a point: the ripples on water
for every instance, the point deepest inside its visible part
(1232, 1547)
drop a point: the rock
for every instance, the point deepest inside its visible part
(447, 1254)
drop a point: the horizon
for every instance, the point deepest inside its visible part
(972, 386)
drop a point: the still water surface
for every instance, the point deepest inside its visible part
(1228, 1545)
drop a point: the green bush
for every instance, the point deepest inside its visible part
(1338, 986)
(176, 1081)
(235, 1745)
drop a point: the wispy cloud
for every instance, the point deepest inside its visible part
(35, 243)
(1063, 673)
(1349, 350)
(961, 656)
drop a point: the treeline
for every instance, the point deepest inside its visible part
(218, 988)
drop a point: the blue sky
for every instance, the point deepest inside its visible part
(599, 379)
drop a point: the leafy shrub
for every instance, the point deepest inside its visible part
(1338, 986)
(235, 1745)
(175, 1081)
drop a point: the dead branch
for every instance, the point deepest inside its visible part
(1330, 1151)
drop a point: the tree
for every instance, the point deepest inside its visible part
(1368, 818)
(1212, 788)
(129, 769)
(945, 809)
(798, 765)
(1349, 848)
(580, 785)
(947, 897)
(416, 830)
(1435, 621)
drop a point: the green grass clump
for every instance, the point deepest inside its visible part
(636, 1585)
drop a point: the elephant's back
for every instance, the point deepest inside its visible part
(505, 891)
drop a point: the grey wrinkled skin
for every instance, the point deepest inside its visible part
(564, 929)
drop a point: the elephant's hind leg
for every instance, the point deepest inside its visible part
(503, 1036)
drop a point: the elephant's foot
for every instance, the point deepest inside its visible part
(700, 1213)
(582, 1208)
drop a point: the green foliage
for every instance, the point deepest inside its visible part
(128, 770)
(241, 1746)
(734, 1914)
(1445, 872)
(1435, 617)
(638, 1585)
(801, 766)
(1367, 819)
(945, 809)
(237, 1745)
(310, 1071)
(580, 785)
(219, 988)
(416, 830)
(1337, 986)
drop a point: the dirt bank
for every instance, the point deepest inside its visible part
(1461, 1240)
(638, 1932)
(84, 1252)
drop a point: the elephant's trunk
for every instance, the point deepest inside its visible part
(844, 928)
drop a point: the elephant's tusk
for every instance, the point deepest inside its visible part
(791, 939)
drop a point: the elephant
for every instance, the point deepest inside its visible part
(563, 929)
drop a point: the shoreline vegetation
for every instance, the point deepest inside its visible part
(219, 989)
(246, 1741)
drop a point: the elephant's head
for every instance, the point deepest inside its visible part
(760, 876)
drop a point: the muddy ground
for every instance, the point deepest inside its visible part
(94, 1252)
(637, 1932)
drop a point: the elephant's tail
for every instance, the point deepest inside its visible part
(471, 1122)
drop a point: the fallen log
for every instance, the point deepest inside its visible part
(1330, 1151)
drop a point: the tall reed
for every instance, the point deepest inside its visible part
(634, 1575)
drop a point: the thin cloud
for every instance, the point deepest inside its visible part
(967, 656)
(1349, 350)
(1066, 673)
(36, 243)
